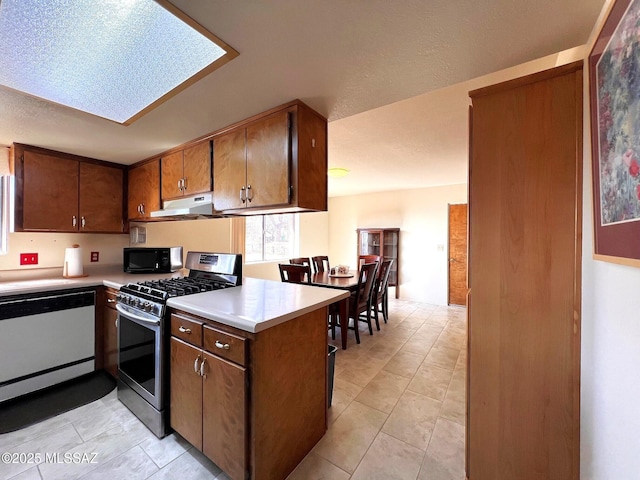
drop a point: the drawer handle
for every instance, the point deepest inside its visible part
(196, 368)
(184, 330)
(202, 374)
(224, 346)
(110, 300)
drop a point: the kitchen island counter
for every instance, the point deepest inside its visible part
(257, 304)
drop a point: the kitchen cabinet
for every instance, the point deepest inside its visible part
(58, 192)
(144, 190)
(525, 227)
(273, 162)
(254, 403)
(187, 171)
(208, 393)
(384, 242)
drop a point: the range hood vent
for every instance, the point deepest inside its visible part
(188, 208)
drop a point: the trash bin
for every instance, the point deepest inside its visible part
(332, 365)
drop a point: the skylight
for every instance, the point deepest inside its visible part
(116, 59)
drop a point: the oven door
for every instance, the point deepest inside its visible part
(140, 354)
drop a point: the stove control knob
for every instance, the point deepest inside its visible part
(148, 307)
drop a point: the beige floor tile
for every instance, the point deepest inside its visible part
(362, 371)
(431, 381)
(454, 408)
(191, 465)
(132, 465)
(418, 344)
(343, 394)
(412, 322)
(383, 391)
(413, 419)
(31, 474)
(389, 459)
(404, 363)
(314, 467)
(445, 456)
(166, 450)
(443, 357)
(385, 349)
(350, 436)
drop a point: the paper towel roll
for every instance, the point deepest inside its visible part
(72, 262)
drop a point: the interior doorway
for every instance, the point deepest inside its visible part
(457, 254)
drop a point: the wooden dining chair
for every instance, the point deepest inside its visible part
(321, 264)
(379, 294)
(362, 259)
(300, 261)
(295, 273)
(360, 301)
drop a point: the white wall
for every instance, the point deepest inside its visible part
(610, 386)
(422, 216)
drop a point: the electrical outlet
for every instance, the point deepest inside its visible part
(28, 259)
(95, 256)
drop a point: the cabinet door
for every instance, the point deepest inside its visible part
(144, 190)
(370, 241)
(390, 246)
(225, 416)
(172, 175)
(100, 198)
(110, 341)
(268, 161)
(197, 168)
(186, 392)
(229, 170)
(50, 194)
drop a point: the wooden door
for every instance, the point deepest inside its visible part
(144, 190)
(172, 174)
(50, 195)
(186, 392)
(229, 170)
(197, 168)
(225, 415)
(525, 256)
(458, 254)
(101, 198)
(268, 161)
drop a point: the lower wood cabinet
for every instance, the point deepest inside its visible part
(110, 333)
(254, 403)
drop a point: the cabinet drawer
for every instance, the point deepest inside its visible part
(188, 329)
(225, 345)
(110, 298)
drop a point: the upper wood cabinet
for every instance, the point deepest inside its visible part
(525, 229)
(273, 161)
(59, 192)
(187, 171)
(144, 190)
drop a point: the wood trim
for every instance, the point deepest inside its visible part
(21, 147)
(533, 78)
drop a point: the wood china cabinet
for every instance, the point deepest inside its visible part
(187, 171)
(525, 224)
(384, 242)
(275, 160)
(144, 190)
(59, 192)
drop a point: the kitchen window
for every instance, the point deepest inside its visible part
(271, 237)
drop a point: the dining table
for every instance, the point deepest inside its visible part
(347, 282)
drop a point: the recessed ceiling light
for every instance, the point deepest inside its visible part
(116, 59)
(337, 172)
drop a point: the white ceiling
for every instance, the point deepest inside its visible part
(351, 61)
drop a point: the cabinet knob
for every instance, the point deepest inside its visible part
(83, 222)
(242, 195)
(142, 209)
(223, 346)
(202, 374)
(110, 300)
(249, 193)
(196, 367)
(180, 184)
(184, 184)
(74, 221)
(184, 330)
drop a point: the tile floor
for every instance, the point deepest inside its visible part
(398, 412)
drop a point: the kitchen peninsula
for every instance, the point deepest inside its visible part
(257, 403)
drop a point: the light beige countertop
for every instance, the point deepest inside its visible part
(257, 304)
(254, 306)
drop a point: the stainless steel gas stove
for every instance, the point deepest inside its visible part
(143, 332)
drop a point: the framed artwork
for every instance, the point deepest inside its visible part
(614, 84)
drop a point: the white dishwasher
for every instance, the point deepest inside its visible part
(44, 340)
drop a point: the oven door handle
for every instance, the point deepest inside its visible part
(133, 316)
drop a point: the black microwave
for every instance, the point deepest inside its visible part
(152, 260)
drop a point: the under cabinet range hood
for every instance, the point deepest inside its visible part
(186, 208)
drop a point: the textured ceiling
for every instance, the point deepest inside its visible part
(343, 59)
